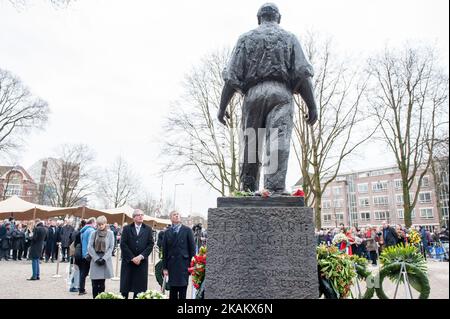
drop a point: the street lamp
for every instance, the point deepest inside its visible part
(175, 195)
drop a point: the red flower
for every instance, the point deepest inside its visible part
(197, 269)
(299, 193)
(265, 193)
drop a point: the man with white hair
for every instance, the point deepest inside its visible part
(136, 245)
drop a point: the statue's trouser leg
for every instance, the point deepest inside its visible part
(265, 98)
(279, 126)
(251, 144)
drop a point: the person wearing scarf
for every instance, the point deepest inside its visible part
(101, 245)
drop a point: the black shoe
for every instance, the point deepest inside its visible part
(33, 278)
(73, 290)
(82, 293)
(19, 259)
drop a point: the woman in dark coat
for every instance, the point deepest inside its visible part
(18, 242)
(37, 244)
(27, 231)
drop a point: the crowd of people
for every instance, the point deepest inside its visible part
(90, 245)
(369, 241)
(15, 239)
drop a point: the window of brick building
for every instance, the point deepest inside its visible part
(381, 215)
(424, 197)
(426, 212)
(381, 200)
(363, 188)
(364, 202)
(379, 186)
(365, 216)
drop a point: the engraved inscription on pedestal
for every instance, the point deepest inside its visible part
(257, 252)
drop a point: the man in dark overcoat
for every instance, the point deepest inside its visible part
(37, 237)
(5, 240)
(136, 245)
(178, 250)
(389, 235)
(50, 244)
(65, 238)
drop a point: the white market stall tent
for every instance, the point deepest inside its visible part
(23, 210)
(20, 209)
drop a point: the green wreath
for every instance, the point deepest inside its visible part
(364, 274)
(417, 279)
(159, 274)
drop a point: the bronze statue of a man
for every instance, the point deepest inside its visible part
(268, 66)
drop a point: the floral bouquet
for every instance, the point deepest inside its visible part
(151, 294)
(299, 193)
(414, 237)
(109, 295)
(340, 238)
(198, 267)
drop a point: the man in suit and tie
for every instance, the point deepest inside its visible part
(136, 244)
(51, 246)
(178, 250)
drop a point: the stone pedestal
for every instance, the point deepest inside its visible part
(261, 248)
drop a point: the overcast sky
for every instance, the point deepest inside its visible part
(110, 69)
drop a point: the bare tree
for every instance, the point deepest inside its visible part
(70, 177)
(19, 4)
(20, 111)
(119, 184)
(148, 204)
(409, 97)
(338, 132)
(194, 142)
(439, 170)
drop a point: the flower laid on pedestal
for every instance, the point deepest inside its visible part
(298, 193)
(197, 269)
(151, 294)
(242, 194)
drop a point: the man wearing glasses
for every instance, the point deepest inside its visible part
(136, 244)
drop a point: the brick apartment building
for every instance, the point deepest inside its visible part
(371, 196)
(50, 171)
(15, 180)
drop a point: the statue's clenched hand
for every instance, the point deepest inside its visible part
(312, 116)
(221, 116)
